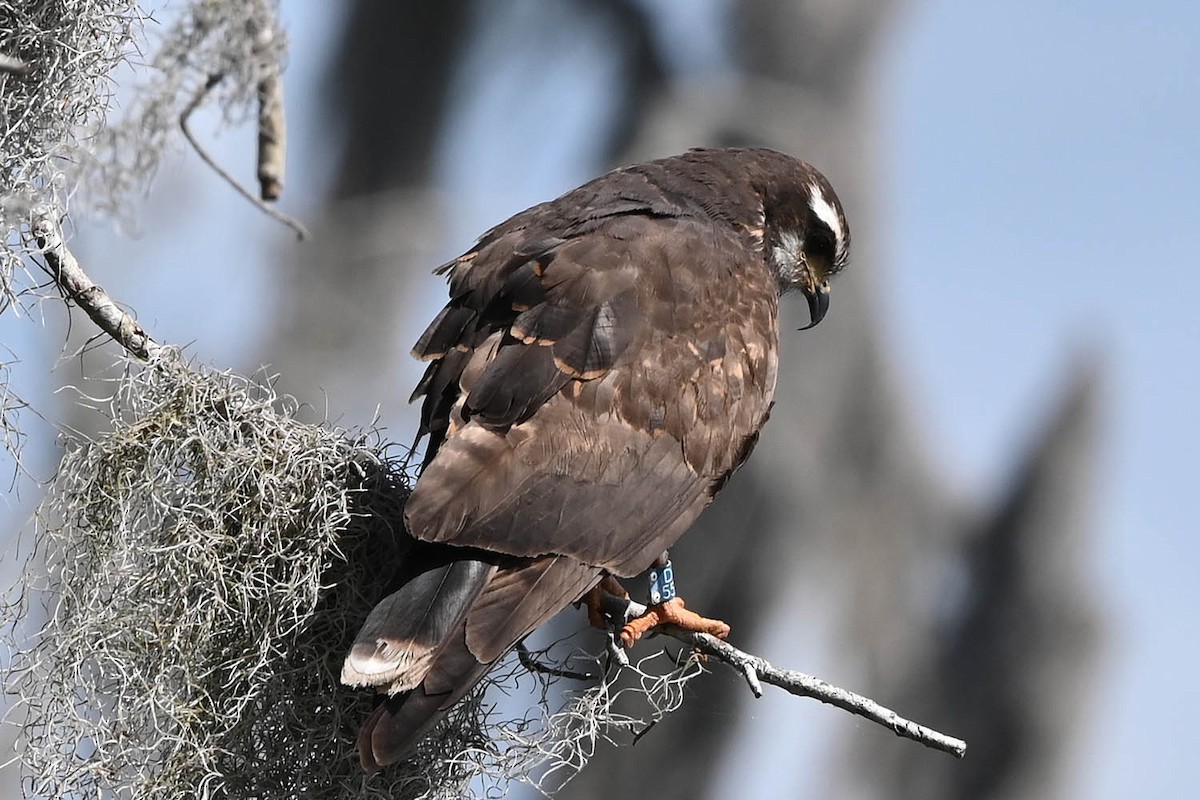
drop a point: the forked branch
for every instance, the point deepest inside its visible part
(267, 157)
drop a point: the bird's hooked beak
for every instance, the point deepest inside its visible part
(818, 303)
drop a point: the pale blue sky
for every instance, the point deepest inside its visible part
(1044, 173)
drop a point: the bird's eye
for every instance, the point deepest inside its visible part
(820, 251)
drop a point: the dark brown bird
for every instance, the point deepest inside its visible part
(605, 362)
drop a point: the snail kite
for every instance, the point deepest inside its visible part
(605, 362)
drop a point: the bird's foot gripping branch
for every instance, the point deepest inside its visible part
(666, 608)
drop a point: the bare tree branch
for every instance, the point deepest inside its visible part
(271, 211)
(757, 670)
(272, 125)
(64, 268)
(530, 663)
(272, 138)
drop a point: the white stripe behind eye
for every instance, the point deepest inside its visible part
(825, 212)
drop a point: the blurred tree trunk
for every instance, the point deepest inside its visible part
(339, 343)
(1009, 665)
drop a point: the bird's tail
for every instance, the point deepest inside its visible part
(403, 633)
(412, 647)
(400, 721)
(429, 642)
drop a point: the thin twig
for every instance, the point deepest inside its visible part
(271, 211)
(637, 737)
(75, 284)
(615, 651)
(13, 66)
(751, 676)
(533, 665)
(756, 669)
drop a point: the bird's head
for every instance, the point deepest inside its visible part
(807, 238)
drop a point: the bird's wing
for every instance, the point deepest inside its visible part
(592, 385)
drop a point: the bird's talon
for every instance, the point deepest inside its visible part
(674, 613)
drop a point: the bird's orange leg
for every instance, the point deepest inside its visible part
(670, 612)
(667, 609)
